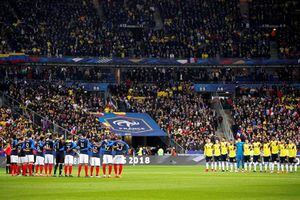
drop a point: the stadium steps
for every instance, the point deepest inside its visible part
(99, 8)
(274, 50)
(158, 21)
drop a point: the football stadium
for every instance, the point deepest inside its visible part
(149, 99)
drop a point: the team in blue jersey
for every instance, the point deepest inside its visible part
(44, 152)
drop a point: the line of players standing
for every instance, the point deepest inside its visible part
(238, 155)
(40, 152)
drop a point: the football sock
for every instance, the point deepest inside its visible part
(66, 169)
(50, 168)
(46, 168)
(79, 169)
(104, 169)
(86, 170)
(41, 169)
(282, 167)
(295, 167)
(70, 169)
(92, 170)
(116, 169)
(30, 168)
(215, 166)
(97, 170)
(60, 168)
(223, 166)
(120, 169)
(109, 169)
(219, 164)
(287, 167)
(24, 169)
(55, 168)
(291, 167)
(227, 166)
(36, 168)
(207, 165)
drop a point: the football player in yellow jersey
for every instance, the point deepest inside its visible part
(256, 154)
(232, 155)
(224, 152)
(247, 147)
(208, 152)
(292, 152)
(267, 154)
(274, 154)
(217, 154)
(283, 156)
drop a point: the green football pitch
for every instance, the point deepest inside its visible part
(155, 182)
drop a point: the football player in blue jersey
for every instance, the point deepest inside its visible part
(83, 145)
(107, 149)
(120, 151)
(70, 148)
(95, 157)
(40, 157)
(28, 147)
(60, 154)
(14, 156)
(49, 151)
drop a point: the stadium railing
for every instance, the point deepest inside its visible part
(40, 121)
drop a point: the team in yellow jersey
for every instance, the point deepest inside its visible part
(267, 154)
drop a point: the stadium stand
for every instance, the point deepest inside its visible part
(191, 29)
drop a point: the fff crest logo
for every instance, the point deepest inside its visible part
(129, 124)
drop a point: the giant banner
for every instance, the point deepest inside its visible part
(134, 124)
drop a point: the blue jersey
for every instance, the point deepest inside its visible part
(120, 147)
(49, 147)
(40, 148)
(107, 147)
(28, 147)
(95, 149)
(69, 148)
(240, 148)
(59, 146)
(21, 152)
(14, 148)
(83, 145)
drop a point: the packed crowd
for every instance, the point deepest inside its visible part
(57, 73)
(193, 28)
(211, 75)
(263, 112)
(280, 15)
(66, 107)
(188, 124)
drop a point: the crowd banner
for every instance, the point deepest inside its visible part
(134, 124)
(21, 57)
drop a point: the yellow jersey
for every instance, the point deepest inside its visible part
(292, 150)
(208, 149)
(283, 150)
(231, 149)
(266, 150)
(247, 148)
(256, 148)
(224, 149)
(217, 149)
(274, 147)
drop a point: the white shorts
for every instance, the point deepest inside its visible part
(95, 161)
(29, 158)
(40, 160)
(107, 159)
(21, 160)
(48, 159)
(69, 160)
(119, 159)
(83, 159)
(14, 159)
